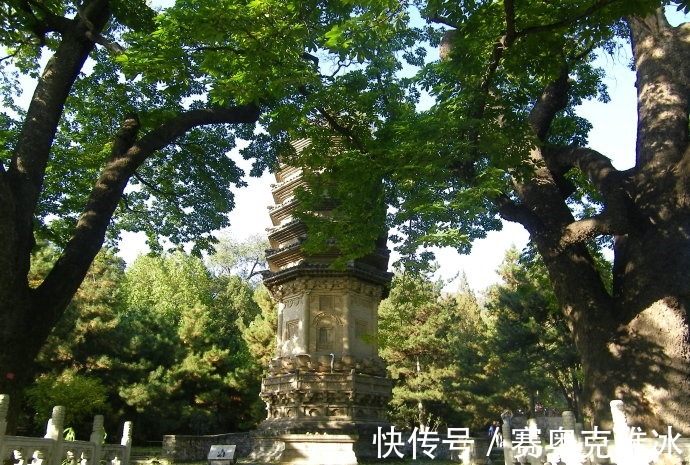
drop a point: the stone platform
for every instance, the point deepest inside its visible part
(318, 449)
(323, 415)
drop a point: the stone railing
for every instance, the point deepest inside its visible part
(569, 444)
(53, 449)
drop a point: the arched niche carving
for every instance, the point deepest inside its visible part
(327, 332)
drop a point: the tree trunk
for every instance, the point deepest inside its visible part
(634, 341)
(17, 354)
(27, 315)
(421, 411)
(652, 345)
(651, 286)
(574, 402)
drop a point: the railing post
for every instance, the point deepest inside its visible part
(4, 407)
(507, 418)
(56, 424)
(622, 448)
(54, 431)
(535, 438)
(96, 439)
(126, 441)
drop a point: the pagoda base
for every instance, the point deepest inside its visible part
(341, 444)
(328, 398)
(330, 416)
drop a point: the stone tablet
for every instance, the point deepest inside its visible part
(222, 454)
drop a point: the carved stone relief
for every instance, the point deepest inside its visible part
(299, 286)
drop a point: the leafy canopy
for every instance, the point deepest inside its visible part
(440, 175)
(291, 58)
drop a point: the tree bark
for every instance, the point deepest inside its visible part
(635, 340)
(27, 315)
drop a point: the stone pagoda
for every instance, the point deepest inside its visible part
(327, 377)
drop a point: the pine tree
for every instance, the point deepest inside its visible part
(533, 345)
(418, 339)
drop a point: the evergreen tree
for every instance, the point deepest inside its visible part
(165, 343)
(260, 334)
(260, 337)
(534, 349)
(418, 340)
(189, 369)
(78, 365)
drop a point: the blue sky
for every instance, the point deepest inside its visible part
(613, 135)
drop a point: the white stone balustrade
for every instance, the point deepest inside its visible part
(617, 447)
(53, 449)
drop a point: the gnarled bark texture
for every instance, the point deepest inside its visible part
(634, 341)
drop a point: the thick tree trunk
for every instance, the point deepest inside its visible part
(634, 344)
(651, 283)
(634, 341)
(589, 309)
(653, 344)
(645, 359)
(27, 315)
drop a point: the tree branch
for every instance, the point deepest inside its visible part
(31, 153)
(154, 188)
(445, 21)
(611, 183)
(177, 126)
(509, 9)
(125, 199)
(552, 100)
(112, 47)
(566, 21)
(607, 222)
(335, 125)
(313, 58)
(49, 23)
(126, 157)
(598, 167)
(16, 52)
(661, 56)
(512, 211)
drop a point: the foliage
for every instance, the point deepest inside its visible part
(260, 338)
(85, 337)
(458, 362)
(82, 396)
(533, 348)
(188, 364)
(419, 338)
(164, 345)
(245, 259)
(260, 334)
(443, 180)
(190, 55)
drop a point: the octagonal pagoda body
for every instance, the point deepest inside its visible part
(327, 375)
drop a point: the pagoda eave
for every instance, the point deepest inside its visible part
(275, 278)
